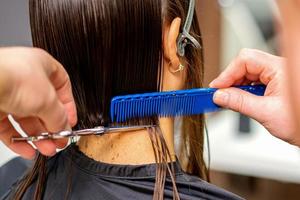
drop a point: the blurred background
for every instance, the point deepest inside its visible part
(244, 158)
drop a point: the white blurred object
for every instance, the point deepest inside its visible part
(5, 154)
(226, 3)
(257, 154)
(239, 30)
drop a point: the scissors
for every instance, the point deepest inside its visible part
(100, 130)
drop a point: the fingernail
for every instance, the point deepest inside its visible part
(212, 84)
(68, 127)
(216, 83)
(221, 97)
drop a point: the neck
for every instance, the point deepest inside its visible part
(127, 148)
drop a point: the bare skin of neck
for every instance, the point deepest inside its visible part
(127, 148)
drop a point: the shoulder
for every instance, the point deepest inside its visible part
(11, 172)
(196, 187)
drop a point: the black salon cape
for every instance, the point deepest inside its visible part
(84, 178)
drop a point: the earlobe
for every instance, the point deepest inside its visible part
(179, 68)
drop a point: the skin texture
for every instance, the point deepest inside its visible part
(127, 148)
(36, 90)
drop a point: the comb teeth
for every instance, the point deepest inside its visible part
(169, 104)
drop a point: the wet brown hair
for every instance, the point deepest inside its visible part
(110, 48)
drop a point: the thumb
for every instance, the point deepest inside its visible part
(240, 101)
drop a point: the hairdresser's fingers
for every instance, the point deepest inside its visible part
(62, 110)
(35, 77)
(244, 102)
(46, 147)
(33, 126)
(61, 143)
(53, 83)
(252, 65)
(21, 148)
(52, 113)
(62, 84)
(2, 115)
(39, 87)
(273, 112)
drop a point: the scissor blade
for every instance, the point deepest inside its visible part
(85, 132)
(126, 129)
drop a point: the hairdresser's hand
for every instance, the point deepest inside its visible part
(36, 90)
(272, 110)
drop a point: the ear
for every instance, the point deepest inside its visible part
(171, 61)
(171, 33)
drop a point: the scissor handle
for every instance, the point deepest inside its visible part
(85, 132)
(43, 136)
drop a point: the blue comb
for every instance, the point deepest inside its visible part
(169, 104)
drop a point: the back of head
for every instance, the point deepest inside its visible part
(108, 47)
(114, 47)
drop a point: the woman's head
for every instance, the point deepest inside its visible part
(116, 47)
(110, 47)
